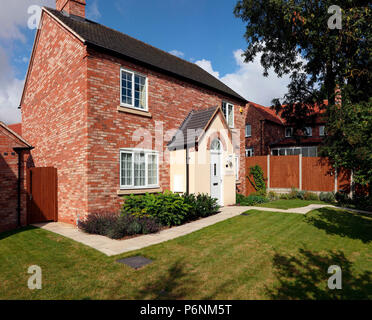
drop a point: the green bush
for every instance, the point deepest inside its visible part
(284, 196)
(168, 208)
(251, 200)
(272, 196)
(201, 205)
(311, 196)
(327, 197)
(296, 194)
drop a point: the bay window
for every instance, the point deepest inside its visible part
(138, 169)
(133, 90)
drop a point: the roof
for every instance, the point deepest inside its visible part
(193, 127)
(303, 141)
(267, 113)
(16, 127)
(116, 43)
(22, 143)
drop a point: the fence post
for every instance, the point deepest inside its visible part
(300, 171)
(351, 184)
(336, 175)
(268, 172)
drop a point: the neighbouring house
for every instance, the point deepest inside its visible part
(262, 128)
(14, 152)
(267, 133)
(116, 116)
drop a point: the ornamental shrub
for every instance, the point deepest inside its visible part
(311, 196)
(257, 181)
(201, 205)
(98, 222)
(327, 197)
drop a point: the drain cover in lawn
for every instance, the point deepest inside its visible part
(135, 262)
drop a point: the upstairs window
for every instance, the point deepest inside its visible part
(322, 131)
(248, 130)
(228, 111)
(133, 90)
(308, 131)
(288, 132)
(249, 152)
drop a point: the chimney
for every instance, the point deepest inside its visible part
(75, 7)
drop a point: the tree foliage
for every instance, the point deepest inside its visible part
(293, 37)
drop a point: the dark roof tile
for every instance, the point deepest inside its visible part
(116, 42)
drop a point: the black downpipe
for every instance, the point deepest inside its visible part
(19, 152)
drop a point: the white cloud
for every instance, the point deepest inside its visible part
(248, 80)
(92, 11)
(10, 91)
(177, 53)
(207, 66)
(14, 17)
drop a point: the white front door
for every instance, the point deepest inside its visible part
(216, 178)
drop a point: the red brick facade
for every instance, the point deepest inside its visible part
(9, 181)
(70, 114)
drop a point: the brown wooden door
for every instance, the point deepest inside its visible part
(42, 195)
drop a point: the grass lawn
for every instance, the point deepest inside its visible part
(264, 255)
(289, 204)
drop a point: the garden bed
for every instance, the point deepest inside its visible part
(149, 213)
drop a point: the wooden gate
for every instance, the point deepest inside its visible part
(42, 195)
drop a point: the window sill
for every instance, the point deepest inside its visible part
(134, 111)
(123, 192)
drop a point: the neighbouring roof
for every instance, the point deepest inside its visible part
(16, 127)
(192, 128)
(267, 113)
(18, 140)
(115, 42)
(304, 141)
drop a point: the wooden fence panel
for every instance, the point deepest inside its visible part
(284, 172)
(317, 174)
(252, 161)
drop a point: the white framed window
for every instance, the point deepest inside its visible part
(248, 130)
(228, 111)
(288, 132)
(321, 131)
(308, 131)
(133, 90)
(290, 151)
(139, 169)
(236, 167)
(249, 152)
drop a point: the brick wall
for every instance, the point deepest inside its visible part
(8, 182)
(54, 114)
(70, 115)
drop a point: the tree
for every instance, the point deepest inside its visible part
(297, 37)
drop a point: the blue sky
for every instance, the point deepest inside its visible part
(201, 31)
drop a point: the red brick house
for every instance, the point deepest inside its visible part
(14, 152)
(101, 107)
(267, 133)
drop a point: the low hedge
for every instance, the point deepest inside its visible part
(118, 226)
(250, 200)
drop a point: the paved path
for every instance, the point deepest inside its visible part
(112, 247)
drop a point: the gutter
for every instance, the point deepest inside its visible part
(19, 151)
